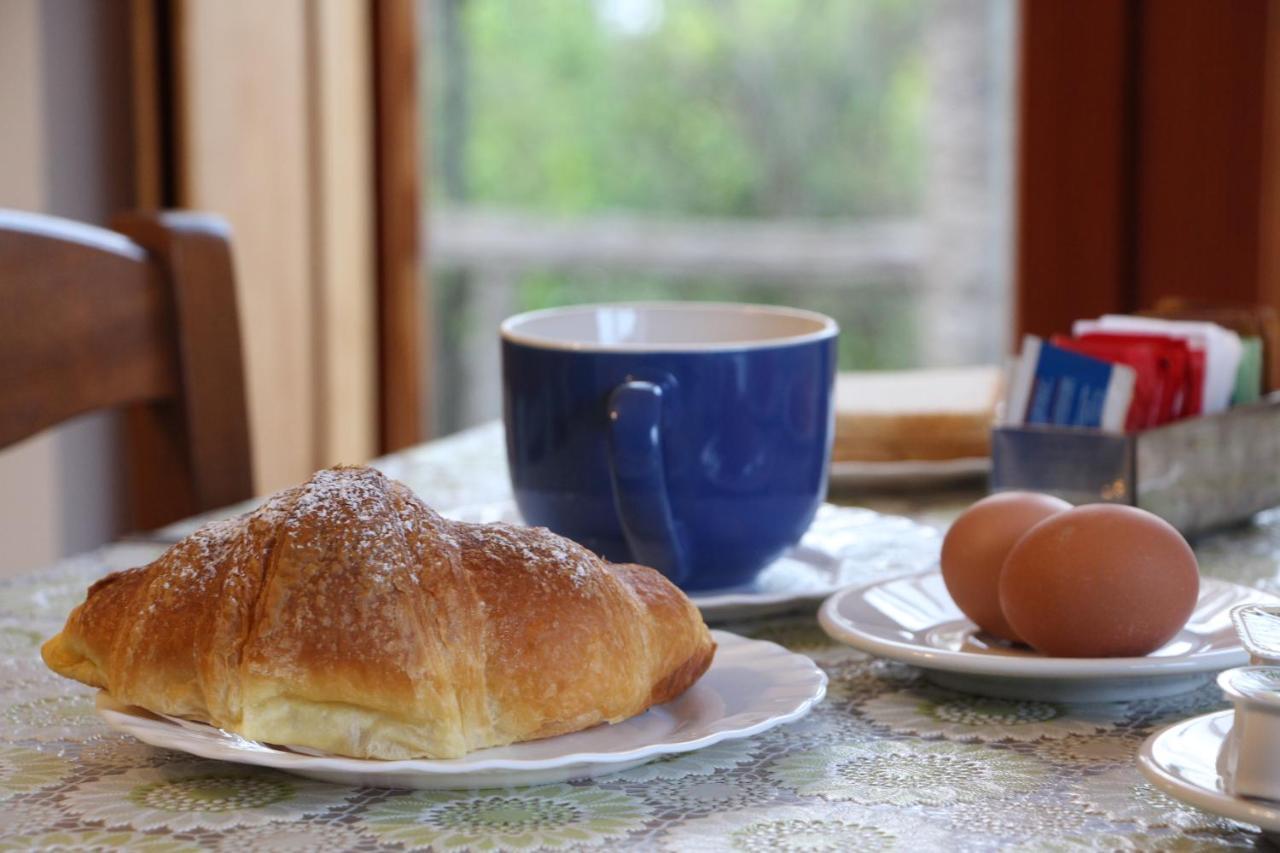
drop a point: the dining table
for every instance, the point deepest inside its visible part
(886, 761)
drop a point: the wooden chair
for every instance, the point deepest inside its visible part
(141, 317)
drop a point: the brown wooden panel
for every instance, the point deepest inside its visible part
(1269, 222)
(84, 326)
(1074, 157)
(1200, 148)
(400, 282)
(1150, 131)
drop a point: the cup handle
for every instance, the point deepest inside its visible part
(639, 478)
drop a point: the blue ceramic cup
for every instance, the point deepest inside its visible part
(692, 437)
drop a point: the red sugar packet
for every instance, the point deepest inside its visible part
(1163, 388)
(1182, 365)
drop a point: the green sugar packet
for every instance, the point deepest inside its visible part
(1249, 373)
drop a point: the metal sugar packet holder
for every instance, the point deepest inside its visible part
(1197, 474)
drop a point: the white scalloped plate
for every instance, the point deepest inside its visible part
(843, 546)
(751, 687)
(1182, 761)
(912, 619)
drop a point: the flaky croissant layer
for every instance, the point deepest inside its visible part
(345, 615)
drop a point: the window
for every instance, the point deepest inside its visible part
(849, 156)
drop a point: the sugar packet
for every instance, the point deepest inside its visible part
(1054, 386)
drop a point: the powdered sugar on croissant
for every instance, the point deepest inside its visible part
(345, 615)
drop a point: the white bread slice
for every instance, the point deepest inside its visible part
(892, 415)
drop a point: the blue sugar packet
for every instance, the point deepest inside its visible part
(1057, 387)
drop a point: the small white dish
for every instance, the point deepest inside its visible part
(751, 687)
(1250, 761)
(1182, 761)
(843, 546)
(909, 474)
(912, 619)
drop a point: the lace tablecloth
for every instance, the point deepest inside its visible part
(886, 762)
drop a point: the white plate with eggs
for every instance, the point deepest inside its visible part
(913, 620)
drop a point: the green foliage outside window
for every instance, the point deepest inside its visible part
(730, 109)
(754, 108)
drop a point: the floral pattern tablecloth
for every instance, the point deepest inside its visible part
(886, 762)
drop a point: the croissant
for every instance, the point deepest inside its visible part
(346, 616)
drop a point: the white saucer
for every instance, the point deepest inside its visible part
(1182, 761)
(908, 474)
(843, 546)
(751, 687)
(913, 620)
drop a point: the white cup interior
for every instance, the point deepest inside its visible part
(676, 326)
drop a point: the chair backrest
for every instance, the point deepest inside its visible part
(142, 317)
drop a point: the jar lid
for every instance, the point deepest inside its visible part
(1260, 684)
(1259, 628)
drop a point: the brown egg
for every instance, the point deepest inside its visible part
(1099, 581)
(975, 548)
